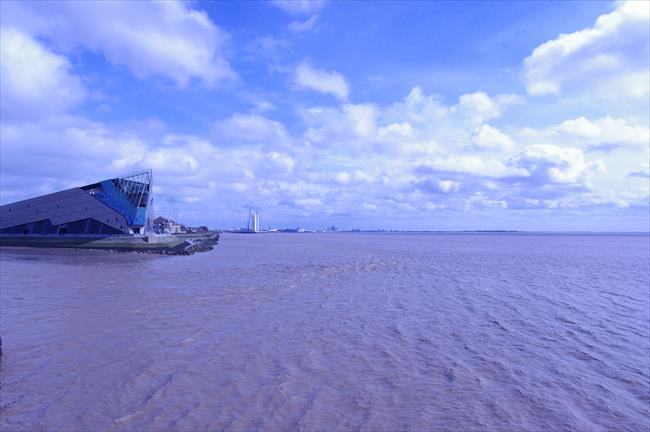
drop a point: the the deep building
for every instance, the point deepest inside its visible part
(118, 206)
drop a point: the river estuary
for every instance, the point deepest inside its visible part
(323, 332)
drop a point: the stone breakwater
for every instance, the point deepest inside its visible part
(178, 244)
(190, 246)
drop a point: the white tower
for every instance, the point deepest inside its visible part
(253, 221)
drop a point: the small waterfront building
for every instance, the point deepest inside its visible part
(176, 228)
(161, 225)
(198, 230)
(117, 206)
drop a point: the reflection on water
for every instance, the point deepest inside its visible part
(331, 331)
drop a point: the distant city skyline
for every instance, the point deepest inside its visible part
(376, 115)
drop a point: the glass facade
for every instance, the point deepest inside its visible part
(128, 195)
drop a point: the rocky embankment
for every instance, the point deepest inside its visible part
(186, 244)
(176, 244)
(194, 244)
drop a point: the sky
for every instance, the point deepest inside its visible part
(375, 115)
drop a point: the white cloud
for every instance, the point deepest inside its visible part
(550, 164)
(356, 176)
(66, 147)
(303, 26)
(175, 161)
(279, 163)
(603, 133)
(309, 78)
(418, 108)
(251, 127)
(611, 58)
(149, 38)
(309, 202)
(34, 82)
(477, 107)
(343, 177)
(467, 164)
(417, 126)
(299, 7)
(448, 186)
(472, 109)
(643, 169)
(486, 138)
(351, 128)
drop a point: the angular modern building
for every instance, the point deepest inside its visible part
(118, 206)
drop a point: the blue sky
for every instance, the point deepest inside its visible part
(396, 115)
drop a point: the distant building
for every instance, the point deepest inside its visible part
(175, 228)
(199, 229)
(161, 225)
(117, 206)
(253, 221)
(167, 226)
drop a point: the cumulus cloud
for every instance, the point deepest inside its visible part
(355, 176)
(303, 26)
(166, 38)
(439, 186)
(418, 107)
(34, 81)
(604, 133)
(350, 128)
(612, 57)
(472, 109)
(175, 161)
(475, 108)
(65, 147)
(279, 163)
(467, 164)
(546, 164)
(486, 138)
(251, 127)
(308, 78)
(417, 126)
(300, 7)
